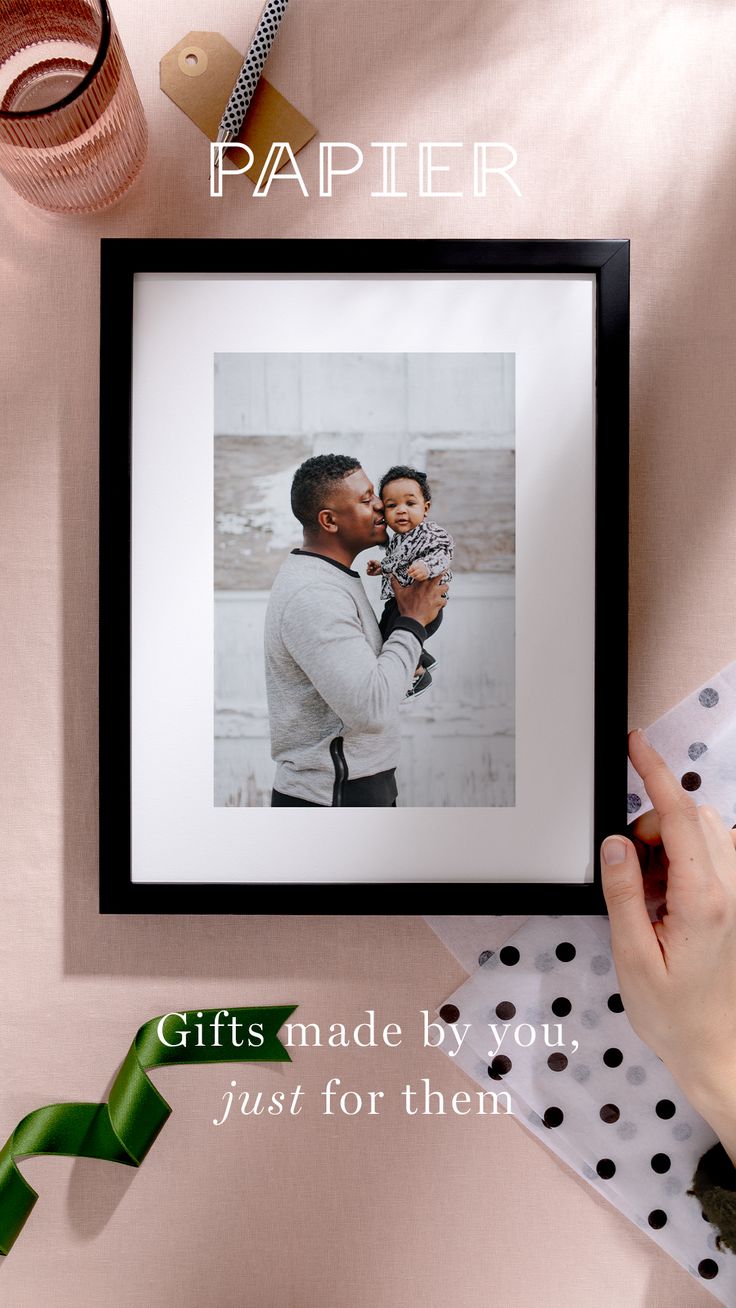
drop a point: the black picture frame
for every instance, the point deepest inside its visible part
(121, 261)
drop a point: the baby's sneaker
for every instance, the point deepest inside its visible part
(428, 661)
(421, 683)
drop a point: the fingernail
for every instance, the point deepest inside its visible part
(613, 851)
(640, 736)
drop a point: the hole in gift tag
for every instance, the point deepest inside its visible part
(193, 60)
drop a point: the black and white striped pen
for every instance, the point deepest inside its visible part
(245, 86)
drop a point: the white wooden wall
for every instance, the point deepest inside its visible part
(458, 738)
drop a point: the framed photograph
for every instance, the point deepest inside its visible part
(363, 550)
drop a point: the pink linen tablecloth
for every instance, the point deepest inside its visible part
(622, 118)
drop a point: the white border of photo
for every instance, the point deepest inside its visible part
(180, 323)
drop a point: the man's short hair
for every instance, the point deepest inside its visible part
(312, 484)
(403, 473)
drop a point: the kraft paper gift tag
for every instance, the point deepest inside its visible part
(199, 73)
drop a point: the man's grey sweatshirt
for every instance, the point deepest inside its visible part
(329, 677)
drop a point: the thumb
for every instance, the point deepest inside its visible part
(632, 937)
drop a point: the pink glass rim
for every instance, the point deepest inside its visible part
(81, 86)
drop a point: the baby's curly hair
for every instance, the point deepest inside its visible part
(402, 473)
(312, 482)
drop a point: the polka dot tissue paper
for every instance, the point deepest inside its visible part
(697, 738)
(542, 1022)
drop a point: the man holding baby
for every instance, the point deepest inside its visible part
(334, 686)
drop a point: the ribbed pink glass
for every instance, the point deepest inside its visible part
(72, 130)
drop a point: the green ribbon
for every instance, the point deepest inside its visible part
(123, 1129)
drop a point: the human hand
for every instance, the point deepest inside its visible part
(418, 571)
(423, 600)
(373, 567)
(677, 977)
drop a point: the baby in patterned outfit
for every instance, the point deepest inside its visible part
(417, 550)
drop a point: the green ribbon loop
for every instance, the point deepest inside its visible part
(124, 1129)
